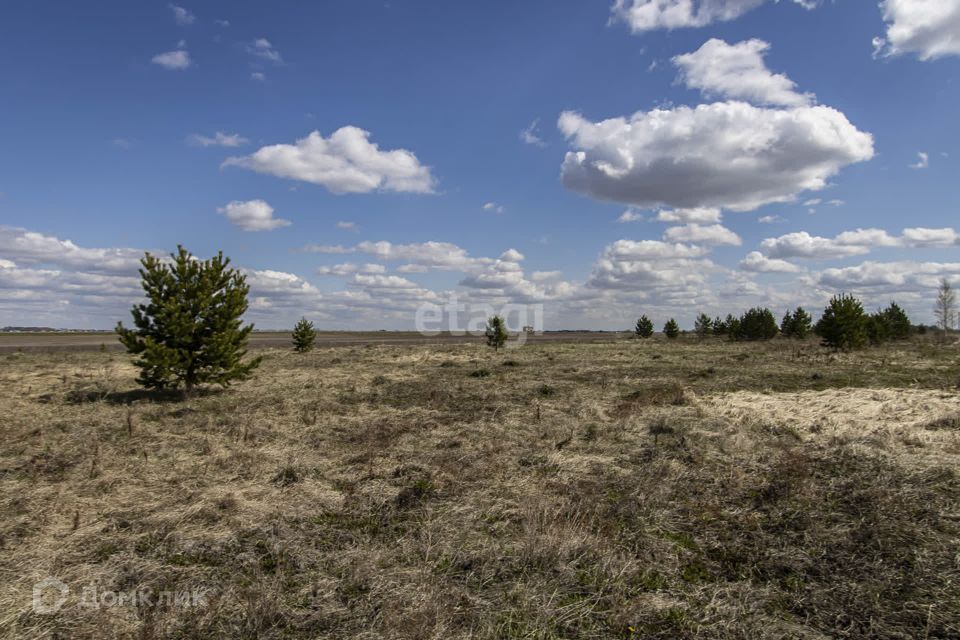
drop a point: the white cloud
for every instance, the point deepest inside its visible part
(252, 215)
(923, 237)
(30, 247)
(181, 16)
(511, 255)
(647, 15)
(262, 48)
(627, 250)
(346, 162)
(802, 245)
(349, 268)
(738, 71)
(531, 136)
(174, 60)
(702, 234)
(757, 262)
(630, 215)
(348, 226)
(222, 23)
(434, 255)
(493, 206)
(258, 76)
(219, 139)
(326, 248)
(857, 242)
(700, 215)
(928, 28)
(923, 161)
(769, 219)
(384, 282)
(812, 202)
(888, 276)
(542, 276)
(726, 154)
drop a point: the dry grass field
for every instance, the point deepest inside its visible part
(621, 489)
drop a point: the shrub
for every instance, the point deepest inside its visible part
(644, 328)
(702, 325)
(671, 329)
(496, 332)
(843, 324)
(303, 336)
(756, 324)
(189, 332)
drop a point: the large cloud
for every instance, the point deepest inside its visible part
(928, 28)
(851, 243)
(647, 15)
(726, 154)
(30, 247)
(738, 71)
(702, 234)
(346, 162)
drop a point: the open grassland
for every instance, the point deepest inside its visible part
(630, 489)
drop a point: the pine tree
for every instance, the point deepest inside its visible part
(702, 325)
(644, 328)
(719, 327)
(189, 332)
(786, 325)
(757, 324)
(496, 333)
(843, 324)
(671, 329)
(801, 324)
(303, 336)
(898, 322)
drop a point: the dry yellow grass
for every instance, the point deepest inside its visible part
(629, 489)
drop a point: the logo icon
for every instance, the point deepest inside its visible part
(49, 595)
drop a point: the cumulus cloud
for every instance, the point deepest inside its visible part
(493, 207)
(181, 16)
(888, 276)
(511, 255)
(177, 60)
(769, 219)
(757, 262)
(252, 215)
(803, 245)
(928, 28)
(738, 71)
(346, 162)
(647, 15)
(30, 247)
(858, 242)
(349, 268)
(630, 215)
(727, 154)
(699, 215)
(702, 234)
(219, 139)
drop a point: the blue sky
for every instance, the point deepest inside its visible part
(664, 157)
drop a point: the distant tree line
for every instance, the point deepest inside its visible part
(844, 325)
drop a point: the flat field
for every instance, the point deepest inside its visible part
(605, 489)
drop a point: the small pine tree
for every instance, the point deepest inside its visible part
(702, 325)
(671, 329)
(878, 331)
(756, 324)
(843, 324)
(898, 323)
(644, 328)
(190, 330)
(733, 327)
(496, 333)
(786, 325)
(801, 324)
(719, 327)
(303, 336)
